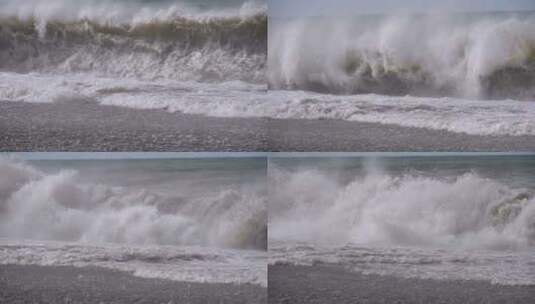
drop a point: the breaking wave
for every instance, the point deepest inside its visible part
(406, 210)
(170, 41)
(59, 207)
(474, 56)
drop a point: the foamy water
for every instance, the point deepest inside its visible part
(503, 268)
(189, 219)
(128, 40)
(186, 264)
(470, 116)
(226, 99)
(129, 12)
(451, 218)
(478, 66)
(464, 55)
(175, 55)
(242, 99)
(213, 61)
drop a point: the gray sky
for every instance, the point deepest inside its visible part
(289, 8)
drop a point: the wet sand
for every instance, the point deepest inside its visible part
(37, 284)
(87, 126)
(302, 135)
(332, 284)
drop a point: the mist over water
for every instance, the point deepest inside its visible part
(141, 54)
(403, 208)
(171, 40)
(126, 13)
(471, 73)
(473, 55)
(60, 206)
(415, 217)
(195, 220)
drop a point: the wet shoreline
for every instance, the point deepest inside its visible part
(66, 284)
(334, 284)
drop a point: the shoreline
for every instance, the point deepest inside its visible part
(80, 126)
(89, 127)
(302, 135)
(68, 284)
(334, 284)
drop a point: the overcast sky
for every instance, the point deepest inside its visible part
(286, 8)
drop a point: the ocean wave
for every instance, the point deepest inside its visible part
(482, 56)
(186, 264)
(469, 116)
(147, 44)
(407, 210)
(34, 205)
(130, 11)
(241, 99)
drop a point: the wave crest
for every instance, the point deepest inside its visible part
(214, 49)
(402, 210)
(482, 56)
(58, 207)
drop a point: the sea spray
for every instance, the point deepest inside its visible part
(409, 209)
(442, 217)
(131, 40)
(58, 206)
(486, 55)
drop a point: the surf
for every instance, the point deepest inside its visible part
(477, 56)
(60, 206)
(382, 209)
(164, 41)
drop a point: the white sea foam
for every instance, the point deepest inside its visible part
(146, 227)
(240, 99)
(34, 205)
(233, 98)
(401, 210)
(189, 264)
(125, 39)
(477, 117)
(457, 55)
(120, 12)
(503, 268)
(464, 227)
